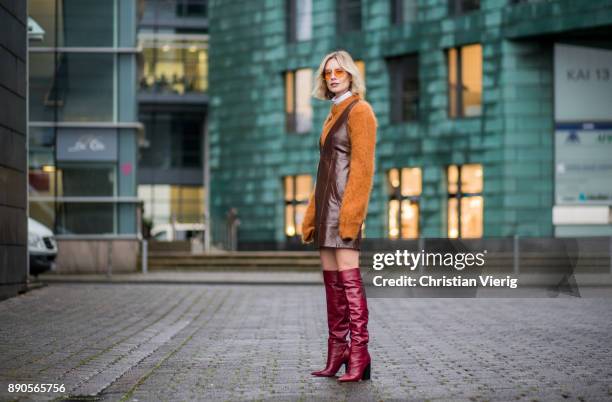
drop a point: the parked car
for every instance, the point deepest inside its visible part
(177, 231)
(42, 247)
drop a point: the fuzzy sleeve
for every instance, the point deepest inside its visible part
(308, 224)
(362, 126)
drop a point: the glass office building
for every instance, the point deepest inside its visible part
(83, 118)
(173, 88)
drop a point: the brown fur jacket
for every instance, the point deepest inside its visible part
(361, 127)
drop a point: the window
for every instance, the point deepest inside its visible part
(465, 81)
(76, 179)
(41, 174)
(348, 15)
(85, 87)
(83, 23)
(297, 192)
(70, 190)
(456, 7)
(176, 64)
(403, 11)
(86, 179)
(172, 139)
(299, 20)
(465, 202)
(86, 218)
(164, 10)
(42, 161)
(298, 110)
(404, 190)
(192, 8)
(71, 87)
(42, 98)
(404, 88)
(165, 203)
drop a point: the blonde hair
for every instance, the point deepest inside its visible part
(344, 59)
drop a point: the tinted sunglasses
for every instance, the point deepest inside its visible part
(338, 72)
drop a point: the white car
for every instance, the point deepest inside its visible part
(41, 247)
(177, 231)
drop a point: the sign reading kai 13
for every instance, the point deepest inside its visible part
(87, 145)
(583, 84)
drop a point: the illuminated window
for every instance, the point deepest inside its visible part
(348, 15)
(465, 81)
(361, 67)
(298, 110)
(456, 7)
(299, 20)
(297, 192)
(165, 203)
(465, 202)
(404, 88)
(404, 190)
(174, 64)
(403, 11)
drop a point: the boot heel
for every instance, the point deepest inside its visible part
(366, 372)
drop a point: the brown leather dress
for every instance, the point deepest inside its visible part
(332, 176)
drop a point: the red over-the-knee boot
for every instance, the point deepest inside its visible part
(337, 323)
(359, 359)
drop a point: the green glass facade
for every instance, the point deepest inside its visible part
(478, 110)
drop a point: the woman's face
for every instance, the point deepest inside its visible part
(337, 79)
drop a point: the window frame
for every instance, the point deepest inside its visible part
(458, 7)
(293, 202)
(64, 209)
(396, 12)
(291, 119)
(398, 67)
(458, 91)
(459, 195)
(395, 194)
(291, 22)
(343, 24)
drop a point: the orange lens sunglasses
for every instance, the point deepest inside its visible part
(338, 72)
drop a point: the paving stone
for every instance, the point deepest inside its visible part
(259, 342)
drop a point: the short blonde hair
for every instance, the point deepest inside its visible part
(344, 59)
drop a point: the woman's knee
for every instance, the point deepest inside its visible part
(347, 258)
(328, 259)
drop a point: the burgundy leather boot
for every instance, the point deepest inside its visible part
(359, 358)
(337, 323)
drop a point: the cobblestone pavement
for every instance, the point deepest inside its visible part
(239, 342)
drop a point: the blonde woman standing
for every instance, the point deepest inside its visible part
(337, 209)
